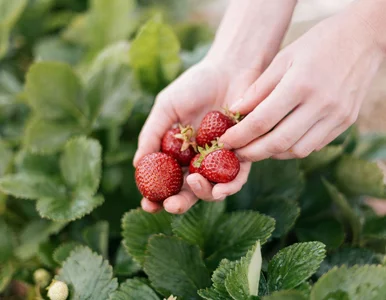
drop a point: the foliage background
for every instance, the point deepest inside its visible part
(77, 80)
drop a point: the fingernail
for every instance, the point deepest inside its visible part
(236, 104)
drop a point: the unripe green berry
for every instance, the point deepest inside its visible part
(57, 290)
(42, 277)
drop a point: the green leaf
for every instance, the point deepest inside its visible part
(6, 272)
(349, 257)
(61, 253)
(315, 198)
(7, 241)
(36, 164)
(138, 226)
(55, 49)
(34, 234)
(199, 224)
(375, 228)
(294, 264)
(109, 22)
(81, 164)
(322, 158)
(47, 136)
(6, 158)
(218, 290)
(355, 283)
(329, 231)
(270, 178)
(88, 275)
(284, 211)
(97, 237)
(45, 254)
(68, 209)
(347, 212)
(10, 12)
(111, 94)
(154, 55)
(243, 280)
(285, 295)
(124, 263)
(134, 289)
(114, 54)
(28, 186)
(60, 97)
(359, 177)
(236, 233)
(175, 267)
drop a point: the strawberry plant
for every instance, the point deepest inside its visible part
(77, 80)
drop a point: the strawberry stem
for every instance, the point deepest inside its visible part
(186, 134)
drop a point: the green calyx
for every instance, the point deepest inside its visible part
(186, 134)
(206, 151)
(236, 117)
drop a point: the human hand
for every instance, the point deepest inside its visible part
(310, 94)
(206, 86)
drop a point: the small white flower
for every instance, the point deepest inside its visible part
(171, 297)
(58, 290)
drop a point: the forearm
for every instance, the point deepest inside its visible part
(251, 32)
(372, 14)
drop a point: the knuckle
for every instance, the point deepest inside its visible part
(350, 119)
(301, 152)
(343, 114)
(304, 86)
(280, 145)
(258, 126)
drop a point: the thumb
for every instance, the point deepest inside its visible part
(160, 119)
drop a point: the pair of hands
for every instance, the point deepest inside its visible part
(310, 93)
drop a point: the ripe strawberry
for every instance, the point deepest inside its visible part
(177, 143)
(192, 167)
(158, 176)
(214, 125)
(216, 164)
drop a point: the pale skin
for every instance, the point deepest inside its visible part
(297, 100)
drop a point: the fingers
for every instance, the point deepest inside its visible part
(261, 88)
(332, 136)
(201, 187)
(284, 136)
(150, 207)
(181, 203)
(264, 117)
(310, 141)
(160, 119)
(223, 190)
(344, 125)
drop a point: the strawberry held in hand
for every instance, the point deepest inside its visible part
(216, 164)
(177, 142)
(158, 176)
(214, 125)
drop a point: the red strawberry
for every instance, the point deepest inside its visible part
(216, 164)
(214, 125)
(192, 167)
(177, 143)
(158, 176)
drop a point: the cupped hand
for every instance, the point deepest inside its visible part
(310, 93)
(205, 87)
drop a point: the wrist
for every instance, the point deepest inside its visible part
(251, 33)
